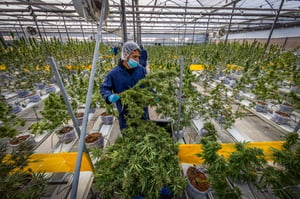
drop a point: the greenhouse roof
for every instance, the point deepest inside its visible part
(154, 17)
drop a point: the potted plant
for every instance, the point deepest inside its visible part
(261, 107)
(198, 183)
(280, 117)
(66, 134)
(286, 108)
(282, 176)
(208, 129)
(22, 138)
(94, 139)
(34, 97)
(15, 181)
(107, 117)
(79, 118)
(239, 167)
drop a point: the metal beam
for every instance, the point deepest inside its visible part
(273, 25)
(123, 19)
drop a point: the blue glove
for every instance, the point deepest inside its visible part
(113, 98)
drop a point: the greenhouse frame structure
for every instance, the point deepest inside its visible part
(156, 22)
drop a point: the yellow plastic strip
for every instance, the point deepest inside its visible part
(196, 67)
(58, 162)
(187, 152)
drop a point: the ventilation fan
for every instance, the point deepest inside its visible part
(31, 30)
(222, 32)
(90, 9)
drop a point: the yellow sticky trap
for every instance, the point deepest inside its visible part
(187, 152)
(58, 162)
(196, 67)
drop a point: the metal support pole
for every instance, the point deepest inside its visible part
(284, 43)
(133, 21)
(123, 15)
(35, 21)
(45, 32)
(229, 26)
(59, 33)
(87, 105)
(138, 27)
(274, 23)
(82, 32)
(297, 127)
(179, 97)
(184, 20)
(63, 92)
(66, 28)
(2, 40)
(24, 32)
(35, 113)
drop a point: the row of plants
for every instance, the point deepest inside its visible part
(160, 90)
(24, 62)
(15, 181)
(247, 165)
(269, 75)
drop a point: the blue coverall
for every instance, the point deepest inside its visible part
(143, 57)
(118, 80)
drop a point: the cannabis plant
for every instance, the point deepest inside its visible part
(15, 181)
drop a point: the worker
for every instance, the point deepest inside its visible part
(143, 57)
(123, 77)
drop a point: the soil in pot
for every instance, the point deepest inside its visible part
(79, 117)
(286, 108)
(94, 140)
(261, 107)
(14, 143)
(280, 117)
(107, 118)
(19, 139)
(34, 97)
(198, 179)
(66, 134)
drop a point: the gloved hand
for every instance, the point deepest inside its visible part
(113, 98)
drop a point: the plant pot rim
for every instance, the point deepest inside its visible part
(106, 114)
(19, 138)
(207, 184)
(66, 126)
(93, 138)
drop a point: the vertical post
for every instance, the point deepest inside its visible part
(274, 23)
(59, 33)
(63, 92)
(184, 20)
(24, 32)
(133, 20)
(179, 98)
(124, 27)
(284, 43)
(82, 31)
(138, 29)
(2, 40)
(229, 26)
(297, 127)
(35, 21)
(66, 28)
(207, 39)
(87, 105)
